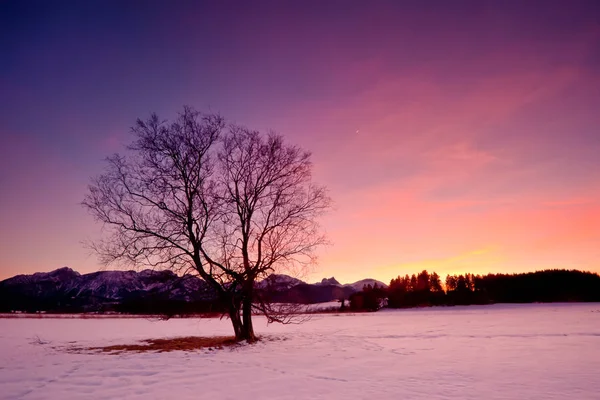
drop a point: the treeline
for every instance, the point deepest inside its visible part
(426, 289)
(149, 304)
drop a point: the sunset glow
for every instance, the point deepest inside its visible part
(453, 136)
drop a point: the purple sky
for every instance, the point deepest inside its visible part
(478, 145)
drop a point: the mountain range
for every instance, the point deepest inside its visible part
(149, 291)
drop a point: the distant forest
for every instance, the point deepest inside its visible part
(426, 289)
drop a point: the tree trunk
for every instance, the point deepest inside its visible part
(234, 315)
(247, 328)
(242, 324)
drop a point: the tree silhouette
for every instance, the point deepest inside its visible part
(463, 289)
(423, 281)
(231, 204)
(435, 283)
(369, 299)
(450, 283)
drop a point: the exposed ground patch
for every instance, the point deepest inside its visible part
(188, 343)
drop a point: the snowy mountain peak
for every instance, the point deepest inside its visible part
(364, 282)
(278, 282)
(330, 281)
(60, 273)
(65, 289)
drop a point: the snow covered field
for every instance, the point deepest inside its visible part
(477, 352)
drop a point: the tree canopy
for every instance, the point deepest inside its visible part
(228, 203)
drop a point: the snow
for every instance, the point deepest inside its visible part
(479, 352)
(326, 306)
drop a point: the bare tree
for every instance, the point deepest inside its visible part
(231, 204)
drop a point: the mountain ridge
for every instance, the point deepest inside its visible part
(66, 290)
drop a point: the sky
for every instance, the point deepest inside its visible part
(454, 136)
